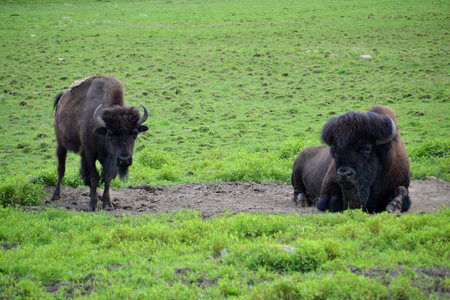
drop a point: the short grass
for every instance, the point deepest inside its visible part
(61, 254)
(235, 88)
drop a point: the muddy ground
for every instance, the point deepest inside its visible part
(214, 199)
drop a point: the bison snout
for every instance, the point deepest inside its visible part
(124, 161)
(344, 174)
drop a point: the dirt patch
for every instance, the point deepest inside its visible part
(7, 246)
(71, 289)
(214, 199)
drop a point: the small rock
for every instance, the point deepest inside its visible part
(61, 59)
(364, 56)
(287, 249)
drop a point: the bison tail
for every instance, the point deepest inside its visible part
(57, 98)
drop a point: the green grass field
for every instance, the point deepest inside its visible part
(59, 254)
(234, 89)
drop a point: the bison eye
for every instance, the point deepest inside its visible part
(366, 150)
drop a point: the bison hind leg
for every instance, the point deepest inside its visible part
(61, 153)
(305, 200)
(84, 172)
(301, 199)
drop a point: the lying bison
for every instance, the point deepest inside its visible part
(91, 119)
(365, 165)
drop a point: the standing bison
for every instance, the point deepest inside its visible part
(91, 119)
(365, 165)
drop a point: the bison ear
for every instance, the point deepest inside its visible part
(100, 131)
(142, 128)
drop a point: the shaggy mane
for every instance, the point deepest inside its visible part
(352, 126)
(120, 119)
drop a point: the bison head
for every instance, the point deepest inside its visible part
(121, 126)
(359, 143)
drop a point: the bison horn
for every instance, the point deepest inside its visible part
(391, 136)
(97, 117)
(144, 117)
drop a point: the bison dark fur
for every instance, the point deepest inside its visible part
(91, 119)
(308, 171)
(369, 167)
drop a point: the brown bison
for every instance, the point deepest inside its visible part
(91, 119)
(365, 165)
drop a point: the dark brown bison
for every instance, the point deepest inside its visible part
(91, 119)
(366, 166)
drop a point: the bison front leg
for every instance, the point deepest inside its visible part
(331, 198)
(401, 200)
(106, 199)
(91, 179)
(332, 203)
(108, 174)
(93, 193)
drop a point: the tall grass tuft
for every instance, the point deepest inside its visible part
(17, 190)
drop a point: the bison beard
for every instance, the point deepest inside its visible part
(354, 197)
(123, 172)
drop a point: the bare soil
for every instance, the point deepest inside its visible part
(238, 197)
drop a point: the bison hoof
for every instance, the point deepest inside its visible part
(395, 204)
(92, 207)
(302, 200)
(108, 207)
(54, 198)
(390, 208)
